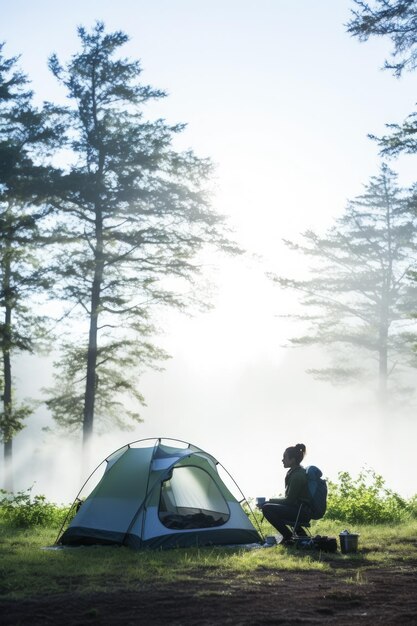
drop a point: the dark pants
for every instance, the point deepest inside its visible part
(281, 515)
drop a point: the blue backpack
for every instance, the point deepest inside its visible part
(317, 487)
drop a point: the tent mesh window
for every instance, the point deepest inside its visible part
(191, 499)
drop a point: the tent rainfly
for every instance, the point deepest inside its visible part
(160, 496)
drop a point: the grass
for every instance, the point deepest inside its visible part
(27, 569)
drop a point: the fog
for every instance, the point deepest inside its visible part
(282, 100)
(232, 389)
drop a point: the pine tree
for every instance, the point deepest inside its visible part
(136, 215)
(358, 294)
(396, 20)
(24, 185)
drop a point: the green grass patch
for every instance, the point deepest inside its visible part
(27, 569)
(29, 524)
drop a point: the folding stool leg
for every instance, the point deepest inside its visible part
(294, 527)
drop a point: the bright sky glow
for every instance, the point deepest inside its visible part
(281, 99)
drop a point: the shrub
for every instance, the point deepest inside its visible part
(22, 510)
(412, 504)
(367, 500)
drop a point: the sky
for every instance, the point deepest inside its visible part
(281, 99)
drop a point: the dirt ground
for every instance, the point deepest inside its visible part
(347, 596)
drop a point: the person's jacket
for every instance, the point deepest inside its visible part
(296, 488)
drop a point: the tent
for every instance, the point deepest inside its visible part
(160, 495)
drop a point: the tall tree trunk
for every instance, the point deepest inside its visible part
(383, 373)
(7, 433)
(383, 350)
(8, 465)
(91, 376)
(90, 388)
(385, 306)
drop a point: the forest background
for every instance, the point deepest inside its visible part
(284, 110)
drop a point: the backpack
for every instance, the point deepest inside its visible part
(317, 487)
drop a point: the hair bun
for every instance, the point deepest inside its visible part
(300, 446)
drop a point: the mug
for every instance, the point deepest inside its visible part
(271, 540)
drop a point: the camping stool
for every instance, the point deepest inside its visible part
(293, 525)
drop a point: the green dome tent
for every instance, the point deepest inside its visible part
(159, 495)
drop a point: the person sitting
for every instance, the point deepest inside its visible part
(281, 512)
